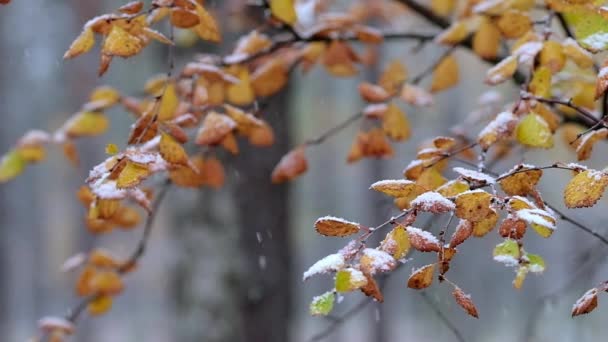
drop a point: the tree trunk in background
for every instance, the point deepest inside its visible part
(263, 212)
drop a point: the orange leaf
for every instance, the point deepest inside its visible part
(465, 302)
(83, 43)
(291, 165)
(334, 226)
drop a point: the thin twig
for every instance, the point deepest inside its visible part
(333, 130)
(446, 321)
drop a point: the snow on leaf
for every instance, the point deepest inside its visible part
(507, 252)
(585, 189)
(501, 71)
(585, 145)
(586, 303)
(349, 279)
(50, 324)
(330, 263)
(422, 277)
(521, 180)
(323, 304)
(432, 202)
(374, 261)
(462, 232)
(396, 242)
(476, 176)
(536, 264)
(465, 302)
(335, 226)
(396, 187)
(423, 240)
(499, 129)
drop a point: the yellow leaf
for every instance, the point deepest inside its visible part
(541, 82)
(11, 165)
(422, 277)
(104, 96)
(87, 124)
(395, 124)
(334, 226)
(552, 56)
(514, 24)
(445, 75)
(534, 131)
(486, 41)
(521, 183)
(397, 188)
(132, 174)
(502, 71)
(100, 305)
(284, 10)
(576, 53)
(453, 188)
(32, 153)
(485, 225)
(168, 103)
(172, 151)
(83, 43)
(474, 205)
(585, 189)
(443, 7)
(393, 76)
(207, 29)
(242, 93)
(454, 34)
(270, 78)
(121, 43)
(396, 243)
(583, 151)
(112, 149)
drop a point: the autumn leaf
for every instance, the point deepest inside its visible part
(121, 43)
(395, 123)
(586, 303)
(585, 189)
(522, 182)
(291, 165)
(12, 164)
(132, 174)
(422, 277)
(207, 29)
(82, 44)
(423, 240)
(396, 243)
(99, 305)
(502, 71)
(172, 151)
(86, 124)
(445, 75)
(214, 128)
(473, 205)
(334, 226)
(284, 10)
(534, 131)
(465, 302)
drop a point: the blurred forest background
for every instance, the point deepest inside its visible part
(226, 265)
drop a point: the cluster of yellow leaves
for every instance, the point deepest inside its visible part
(100, 277)
(128, 32)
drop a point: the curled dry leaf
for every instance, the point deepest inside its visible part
(291, 165)
(465, 302)
(585, 145)
(463, 231)
(585, 304)
(371, 289)
(335, 226)
(423, 240)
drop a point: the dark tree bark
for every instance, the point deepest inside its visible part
(264, 233)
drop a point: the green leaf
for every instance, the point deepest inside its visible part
(323, 304)
(507, 252)
(590, 27)
(536, 264)
(349, 279)
(11, 165)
